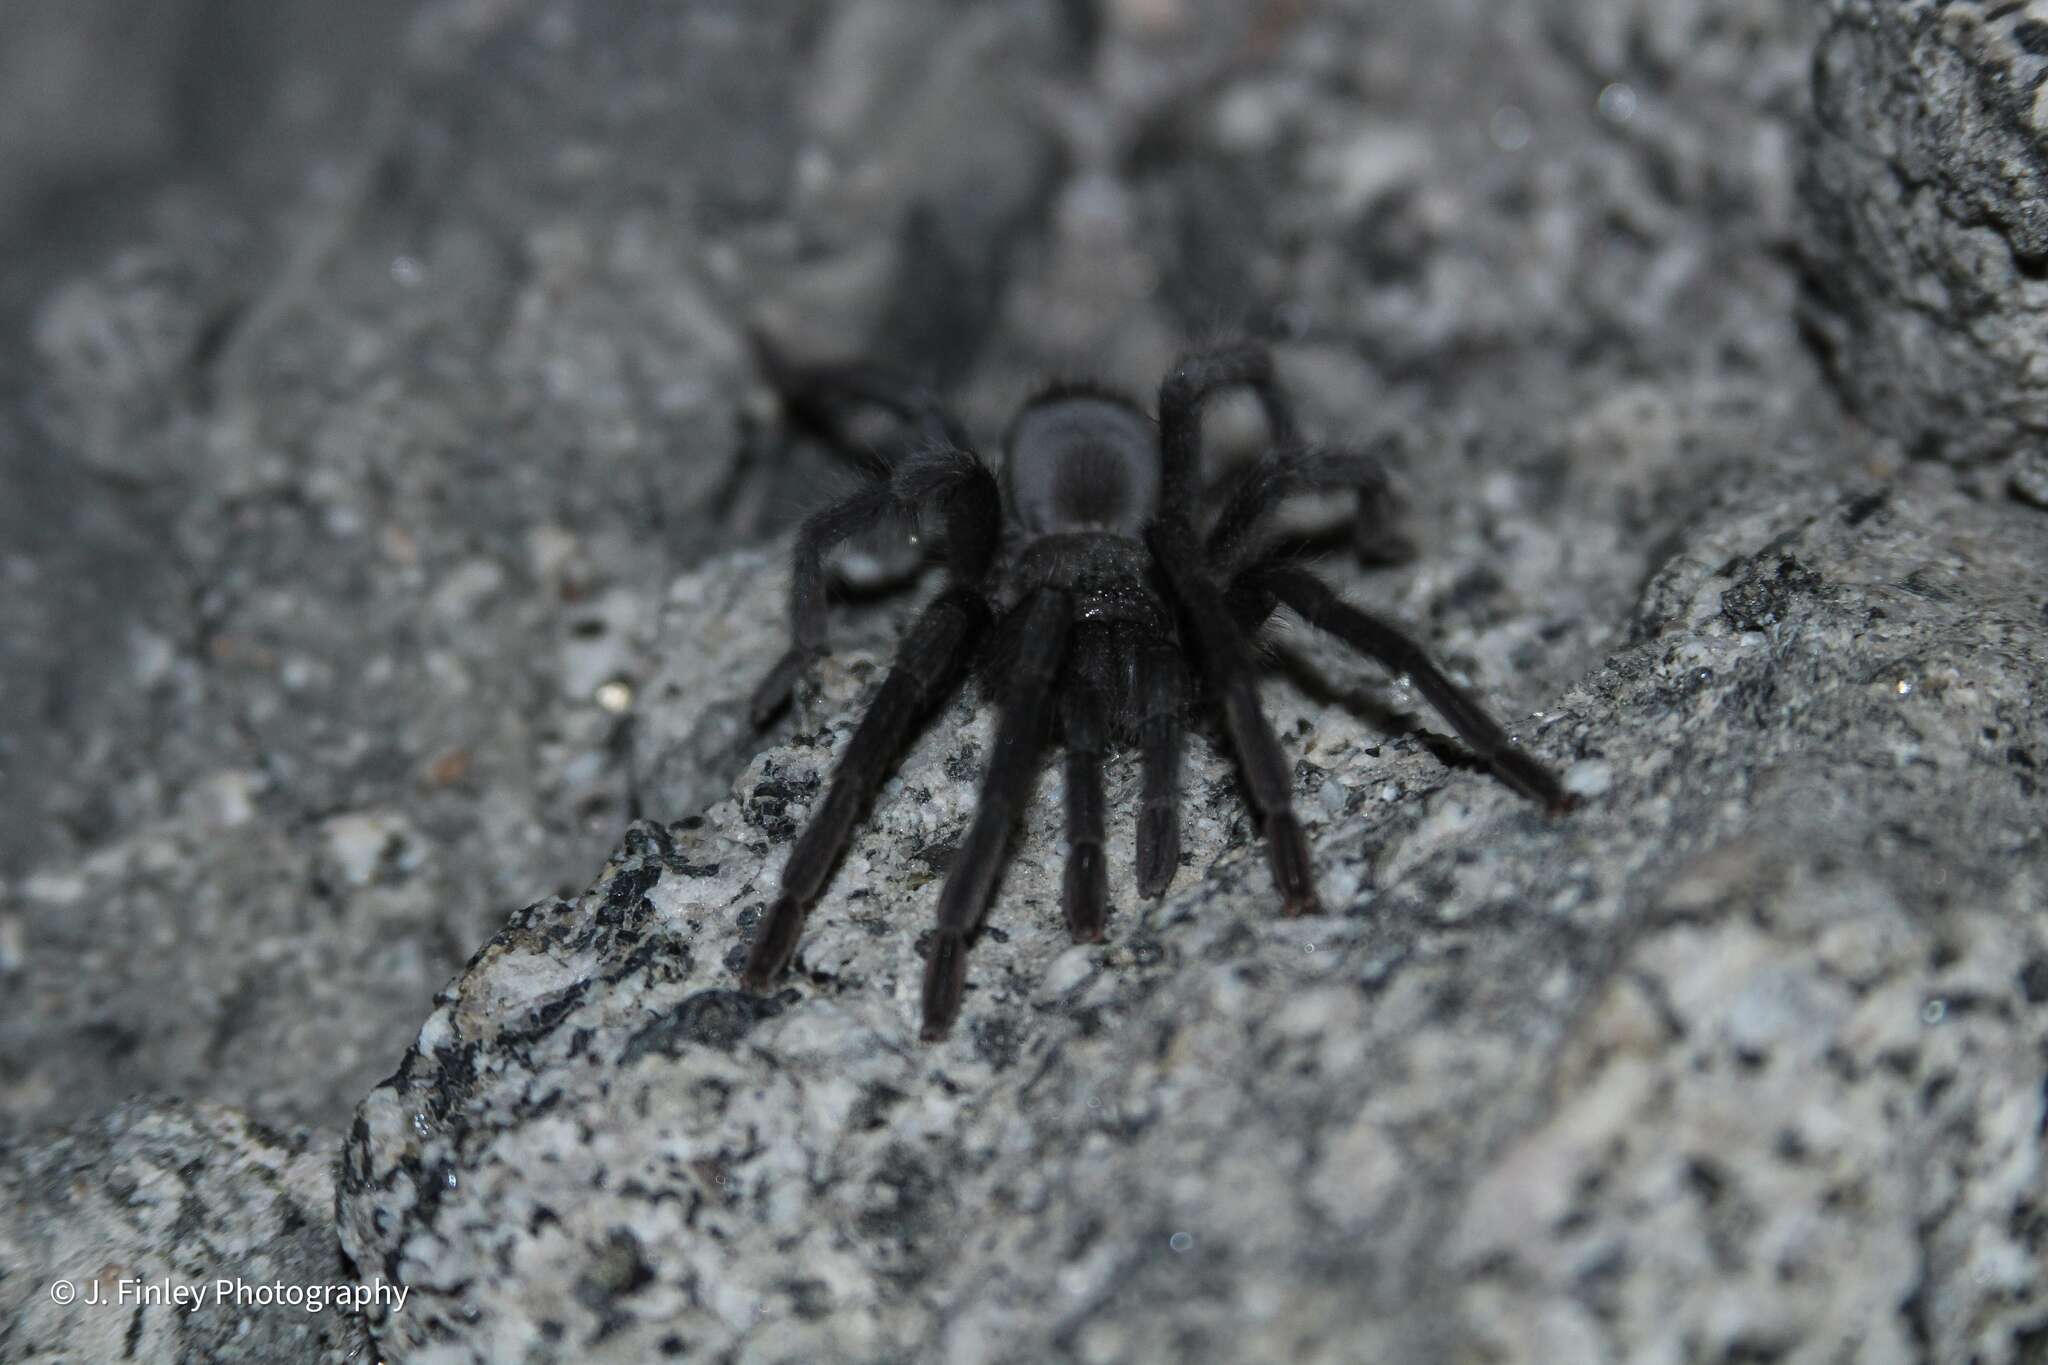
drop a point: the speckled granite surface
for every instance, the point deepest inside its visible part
(176, 1232)
(344, 615)
(1927, 178)
(1741, 1057)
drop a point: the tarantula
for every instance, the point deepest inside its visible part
(1081, 585)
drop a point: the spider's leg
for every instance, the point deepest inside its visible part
(819, 399)
(1260, 490)
(973, 525)
(1191, 382)
(1012, 767)
(1227, 660)
(1085, 893)
(1313, 600)
(774, 689)
(927, 662)
(1159, 688)
(819, 533)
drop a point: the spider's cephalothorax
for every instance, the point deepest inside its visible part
(1084, 577)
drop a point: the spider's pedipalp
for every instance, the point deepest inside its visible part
(1227, 660)
(945, 474)
(819, 533)
(1084, 891)
(927, 662)
(1265, 485)
(1157, 728)
(776, 686)
(821, 400)
(1194, 379)
(1313, 600)
(1021, 732)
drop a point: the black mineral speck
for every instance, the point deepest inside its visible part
(768, 805)
(903, 1199)
(871, 1110)
(938, 855)
(1471, 591)
(1859, 510)
(2034, 980)
(715, 1018)
(631, 884)
(809, 1299)
(618, 1269)
(997, 1041)
(1764, 597)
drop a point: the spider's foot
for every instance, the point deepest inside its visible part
(1287, 847)
(775, 945)
(775, 690)
(1533, 780)
(1375, 538)
(1303, 908)
(1086, 893)
(1158, 849)
(945, 981)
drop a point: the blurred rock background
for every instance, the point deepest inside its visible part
(369, 374)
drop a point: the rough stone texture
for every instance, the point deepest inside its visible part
(343, 494)
(181, 1194)
(342, 613)
(1740, 1061)
(1927, 178)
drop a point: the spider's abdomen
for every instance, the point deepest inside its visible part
(1082, 462)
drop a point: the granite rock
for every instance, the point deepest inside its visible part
(348, 481)
(147, 1201)
(353, 487)
(346, 465)
(1742, 1057)
(1926, 178)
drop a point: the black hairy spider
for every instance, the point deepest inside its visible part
(1082, 585)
